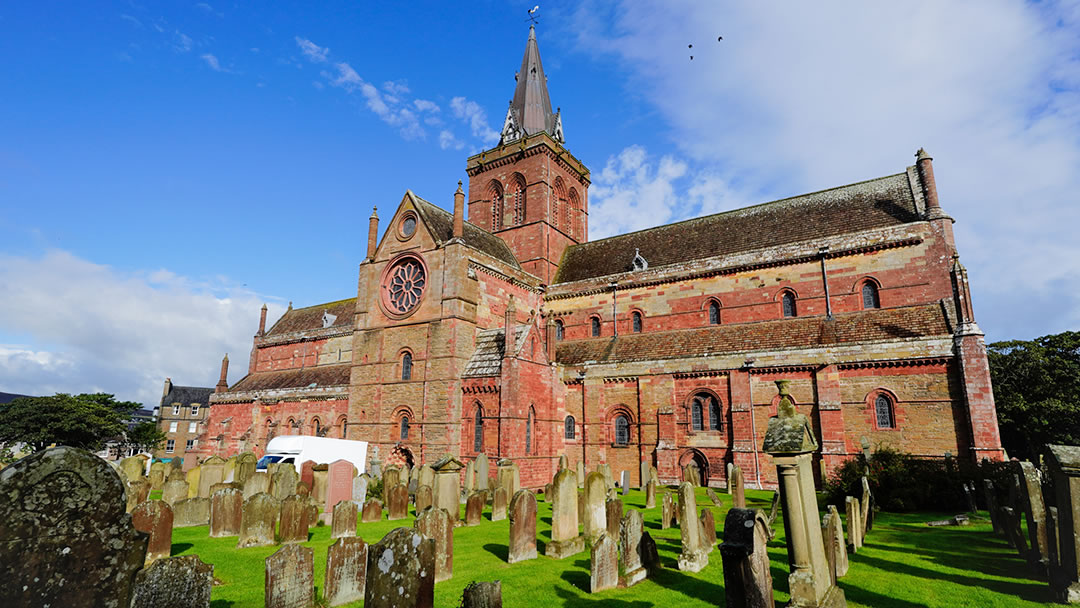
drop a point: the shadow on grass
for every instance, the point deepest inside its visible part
(571, 601)
(1031, 591)
(178, 548)
(221, 603)
(695, 588)
(500, 551)
(869, 598)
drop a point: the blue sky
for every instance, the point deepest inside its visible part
(167, 167)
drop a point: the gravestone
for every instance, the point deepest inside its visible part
(650, 494)
(346, 570)
(133, 468)
(157, 475)
(969, 495)
(320, 483)
(747, 578)
(498, 504)
(565, 540)
(397, 502)
(213, 471)
(866, 507)
(643, 479)
(339, 478)
(176, 582)
(192, 477)
(259, 520)
(738, 489)
(294, 520)
(424, 498)
(728, 478)
(990, 495)
(344, 519)
(630, 563)
(258, 482)
(564, 463)
(605, 470)
(581, 506)
(307, 473)
(482, 595)
(522, 527)
(595, 515)
(774, 508)
(65, 539)
(245, 467)
(693, 557)
(482, 472)
(155, 518)
(137, 491)
(290, 578)
(434, 523)
(175, 473)
(603, 563)
(547, 492)
(667, 512)
(1063, 462)
(650, 557)
(359, 489)
(230, 468)
(226, 512)
(1031, 502)
(691, 474)
(191, 512)
(474, 508)
(708, 527)
(714, 498)
(372, 510)
(1014, 531)
(174, 491)
(426, 476)
(448, 486)
(225, 485)
(833, 533)
(854, 519)
(581, 474)
(624, 482)
(470, 478)
(391, 477)
(508, 477)
(313, 511)
(613, 514)
(283, 482)
(401, 571)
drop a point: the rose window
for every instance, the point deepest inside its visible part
(405, 286)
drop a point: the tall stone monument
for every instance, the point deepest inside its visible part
(565, 540)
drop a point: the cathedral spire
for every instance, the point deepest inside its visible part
(530, 110)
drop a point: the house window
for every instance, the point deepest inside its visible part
(404, 428)
(788, 303)
(560, 330)
(635, 317)
(568, 428)
(528, 432)
(172, 426)
(194, 411)
(176, 410)
(870, 295)
(191, 427)
(478, 430)
(190, 444)
(622, 430)
(714, 313)
(170, 445)
(595, 326)
(883, 410)
(406, 366)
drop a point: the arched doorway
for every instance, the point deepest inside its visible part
(400, 456)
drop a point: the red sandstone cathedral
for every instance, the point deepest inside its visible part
(510, 333)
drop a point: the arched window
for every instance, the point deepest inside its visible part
(495, 195)
(568, 428)
(344, 428)
(696, 415)
(705, 413)
(404, 428)
(560, 330)
(291, 424)
(595, 321)
(572, 205)
(316, 427)
(528, 431)
(558, 202)
(635, 317)
(478, 430)
(714, 312)
(788, 303)
(714, 415)
(870, 295)
(622, 430)
(406, 366)
(883, 411)
(517, 200)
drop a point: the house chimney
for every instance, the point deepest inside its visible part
(924, 163)
(223, 384)
(459, 212)
(262, 321)
(508, 336)
(168, 388)
(372, 234)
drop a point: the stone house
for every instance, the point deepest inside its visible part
(181, 415)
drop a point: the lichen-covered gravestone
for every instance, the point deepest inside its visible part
(283, 482)
(482, 472)
(650, 494)
(174, 491)
(401, 571)
(155, 518)
(65, 538)
(667, 513)
(258, 482)
(176, 582)
(344, 520)
(226, 512)
(259, 520)
(137, 491)
(359, 489)
(498, 504)
(630, 563)
(294, 520)
(714, 498)
(747, 578)
(738, 487)
(191, 512)
(603, 564)
(708, 527)
(448, 486)
(290, 578)
(854, 539)
(346, 571)
(213, 472)
(595, 522)
(693, 557)
(624, 482)
(836, 529)
(474, 508)
(482, 595)
(397, 502)
(372, 510)
(522, 527)
(244, 467)
(424, 498)
(157, 475)
(434, 523)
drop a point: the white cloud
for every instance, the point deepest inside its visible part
(424, 105)
(474, 116)
(447, 141)
(312, 51)
(181, 42)
(818, 95)
(132, 20)
(95, 328)
(346, 77)
(212, 62)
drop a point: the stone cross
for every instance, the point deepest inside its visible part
(603, 564)
(177, 582)
(401, 571)
(448, 486)
(434, 523)
(397, 502)
(343, 523)
(630, 562)
(155, 518)
(259, 521)
(372, 510)
(346, 570)
(694, 557)
(498, 504)
(522, 527)
(595, 516)
(565, 540)
(747, 578)
(191, 512)
(613, 515)
(226, 510)
(290, 578)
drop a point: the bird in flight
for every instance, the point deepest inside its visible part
(691, 47)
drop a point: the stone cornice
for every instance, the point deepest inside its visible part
(307, 335)
(318, 393)
(540, 143)
(475, 265)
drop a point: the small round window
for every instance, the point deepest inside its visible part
(408, 226)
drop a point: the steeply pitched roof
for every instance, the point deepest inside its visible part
(441, 224)
(319, 375)
(311, 317)
(877, 203)
(186, 395)
(862, 326)
(532, 105)
(487, 359)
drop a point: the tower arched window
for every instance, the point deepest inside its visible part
(496, 196)
(883, 412)
(622, 430)
(406, 366)
(560, 330)
(478, 430)
(517, 200)
(595, 322)
(569, 430)
(714, 312)
(558, 202)
(870, 295)
(635, 318)
(529, 431)
(573, 204)
(404, 428)
(787, 302)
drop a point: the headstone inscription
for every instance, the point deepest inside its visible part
(631, 564)
(343, 523)
(603, 563)
(346, 571)
(177, 582)
(191, 512)
(290, 578)
(226, 512)
(259, 521)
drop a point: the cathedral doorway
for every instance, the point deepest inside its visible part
(400, 456)
(699, 460)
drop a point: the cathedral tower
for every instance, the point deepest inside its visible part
(529, 190)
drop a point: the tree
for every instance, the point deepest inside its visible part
(145, 437)
(82, 421)
(1036, 390)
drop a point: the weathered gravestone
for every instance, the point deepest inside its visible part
(832, 532)
(425, 497)
(339, 478)
(714, 498)
(191, 512)
(1013, 530)
(854, 519)
(320, 483)
(650, 494)
(397, 502)
(508, 477)
(1031, 502)
(708, 528)
(498, 504)
(65, 539)
(294, 520)
(133, 467)
(346, 570)
(547, 492)
(359, 489)
(747, 578)
(175, 474)
(290, 578)
(564, 463)
(448, 486)
(738, 487)
(522, 527)
(624, 482)
(225, 485)
(605, 470)
(307, 473)
(372, 510)
(630, 563)
(283, 482)
(1064, 464)
(175, 582)
(603, 563)
(581, 474)
(259, 482)
(595, 522)
(157, 475)
(482, 472)
(434, 523)
(137, 491)
(192, 477)
(650, 557)
(226, 512)
(482, 595)
(174, 491)
(474, 508)
(259, 521)
(667, 512)
(401, 571)
(990, 495)
(643, 475)
(213, 472)
(426, 476)
(969, 496)
(613, 514)
(866, 507)
(470, 478)
(344, 520)
(693, 557)
(155, 519)
(245, 467)
(391, 477)
(565, 540)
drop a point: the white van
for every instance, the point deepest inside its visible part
(298, 449)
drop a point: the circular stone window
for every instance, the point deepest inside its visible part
(408, 226)
(403, 285)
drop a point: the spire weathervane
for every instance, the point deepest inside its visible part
(532, 14)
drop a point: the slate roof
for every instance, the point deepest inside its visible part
(532, 104)
(320, 375)
(310, 317)
(877, 203)
(441, 224)
(186, 395)
(487, 359)
(855, 327)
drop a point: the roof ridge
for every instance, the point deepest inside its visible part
(334, 303)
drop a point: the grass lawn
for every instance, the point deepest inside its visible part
(904, 564)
